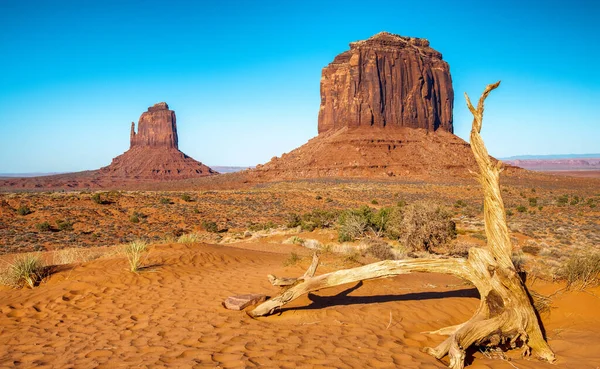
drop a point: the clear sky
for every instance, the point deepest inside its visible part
(243, 76)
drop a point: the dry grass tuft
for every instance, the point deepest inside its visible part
(581, 270)
(189, 238)
(134, 251)
(25, 270)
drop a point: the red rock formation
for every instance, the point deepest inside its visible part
(156, 128)
(387, 81)
(154, 152)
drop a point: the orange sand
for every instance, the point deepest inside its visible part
(100, 315)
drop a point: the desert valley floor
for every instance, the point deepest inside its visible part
(90, 311)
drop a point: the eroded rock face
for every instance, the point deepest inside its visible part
(156, 128)
(387, 81)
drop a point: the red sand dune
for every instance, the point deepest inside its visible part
(100, 315)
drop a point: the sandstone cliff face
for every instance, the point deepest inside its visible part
(387, 81)
(156, 128)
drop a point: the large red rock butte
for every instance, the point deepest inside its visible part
(386, 111)
(387, 81)
(154, 151)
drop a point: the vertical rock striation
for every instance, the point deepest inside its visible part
(157, 127)
(387, 81)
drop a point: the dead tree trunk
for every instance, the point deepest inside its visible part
(505, 314)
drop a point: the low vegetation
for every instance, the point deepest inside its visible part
(134, 251)
(421, 226)
(210, 226)
(189, 238)
(581, 270)
(26, 270)
(23, 210)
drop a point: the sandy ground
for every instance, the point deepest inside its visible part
(100, 315)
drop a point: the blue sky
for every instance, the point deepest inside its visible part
(243, 76)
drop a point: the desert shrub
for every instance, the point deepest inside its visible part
(189, 238)
(380, 250)
(97, 198)
(210, 226)
(509, 212)
(521, 209)
(421, 226)
(354, 223)
(374, 202)
(328, 200)
(196, 211)
(292, 259)
(581, 270)
(185, 197)
(533, 201)
(318, 197)
(351, 226)
(64, 225)
(134, 252)
(25, 270)
(293, 220)
(562, 200)
(165, 200)
(137, 217)
(317, 219)
(43, 227)
(23, 210)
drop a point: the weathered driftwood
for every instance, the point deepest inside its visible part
(505, 316)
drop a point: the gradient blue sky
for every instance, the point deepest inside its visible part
(243, 76)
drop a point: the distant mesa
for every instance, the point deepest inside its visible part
(154, 152)
(387, 81)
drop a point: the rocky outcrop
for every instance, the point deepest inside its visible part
(153, 152)
(387, 81)
(156, 128)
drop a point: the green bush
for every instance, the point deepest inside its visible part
(23, 210)
(137, 217)
(64, 225)
(165, 201)
(562, 200)
(533, 201)
(374, 202)
(521, 209)
(97, 198)
(210, 226)
(185, 197)
(43, 227)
